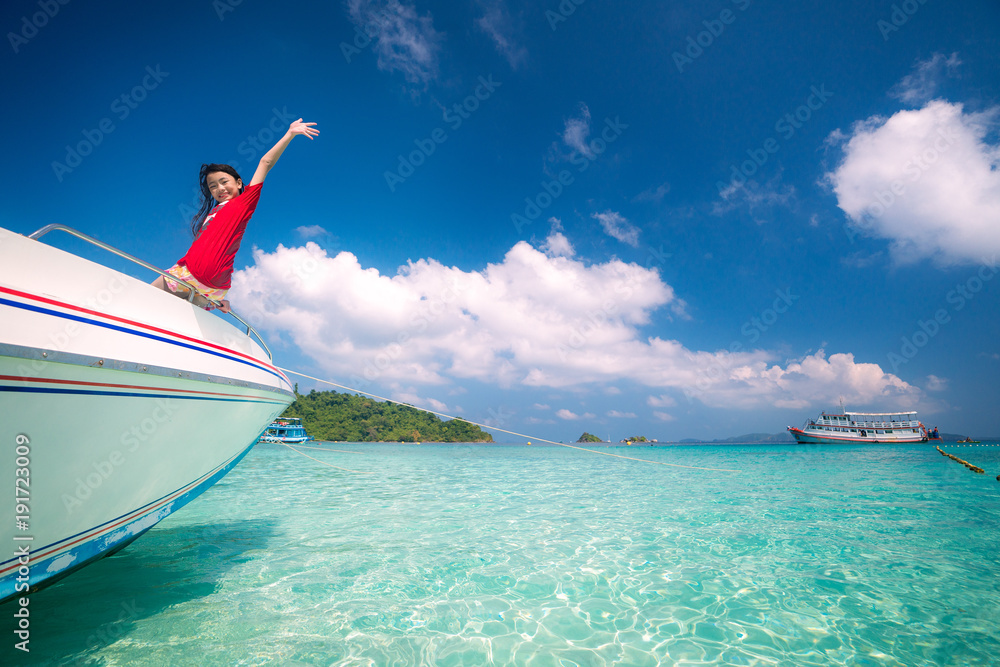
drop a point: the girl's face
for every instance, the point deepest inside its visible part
(222, 186)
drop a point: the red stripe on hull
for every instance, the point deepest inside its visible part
(17, 378)
(804, 438)
(94, 313)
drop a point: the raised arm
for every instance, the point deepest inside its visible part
(271, 157)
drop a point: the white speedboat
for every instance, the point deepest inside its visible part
(119, 404)
(861, 428)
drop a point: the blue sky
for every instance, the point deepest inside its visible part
(682, 220)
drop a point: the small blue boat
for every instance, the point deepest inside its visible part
(286, 429)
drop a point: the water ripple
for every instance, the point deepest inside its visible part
(493, 555)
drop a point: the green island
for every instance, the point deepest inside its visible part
(589, 437)
(331, 415)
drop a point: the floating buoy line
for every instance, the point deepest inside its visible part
(973, 468)
(468, 421)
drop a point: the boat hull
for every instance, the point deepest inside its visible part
(805, 438)
(129, 403)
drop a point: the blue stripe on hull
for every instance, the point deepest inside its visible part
(134, 332)
(93, 392)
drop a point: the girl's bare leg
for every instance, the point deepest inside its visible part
(182, 293)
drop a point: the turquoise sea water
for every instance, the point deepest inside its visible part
(504, 554)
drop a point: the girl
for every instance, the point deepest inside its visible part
(208, 264)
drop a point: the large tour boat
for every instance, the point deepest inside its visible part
(285, 430)
(861, 428)
(119, 404)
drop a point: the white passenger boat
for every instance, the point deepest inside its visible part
(286, 430)
(119, 404)
(861, 427)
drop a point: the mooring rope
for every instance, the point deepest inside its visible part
(327, 449)
(495, 428)
(360, 472)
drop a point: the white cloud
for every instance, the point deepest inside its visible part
(404, 41)
(811, 381)
(576, 132)
(616, 226)
(863, 260)
(572, 416)
(412, 397)
(662, 401)
(311, 231)
(663, 416)
(754, 196)
(538, 420)
(927, 180)
(621, 415)
(530, 320)
(498, 24)
(556, 244)
(934, 383)
(922, 85)
(653, 194)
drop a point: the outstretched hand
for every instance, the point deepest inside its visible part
(307, 129)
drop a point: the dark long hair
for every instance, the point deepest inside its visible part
(207, 200)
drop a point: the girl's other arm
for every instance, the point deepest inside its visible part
(271, 157)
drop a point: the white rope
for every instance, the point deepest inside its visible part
(360, 472)
(496, 428)
(327, 449)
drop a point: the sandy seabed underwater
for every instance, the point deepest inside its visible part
(516, 555)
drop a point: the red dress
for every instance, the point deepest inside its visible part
(210, 258)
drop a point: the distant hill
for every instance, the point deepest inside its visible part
(780, 438)
(784, 436)
(952, 437)
(330, 415)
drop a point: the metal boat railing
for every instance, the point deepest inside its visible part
(146, 265)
